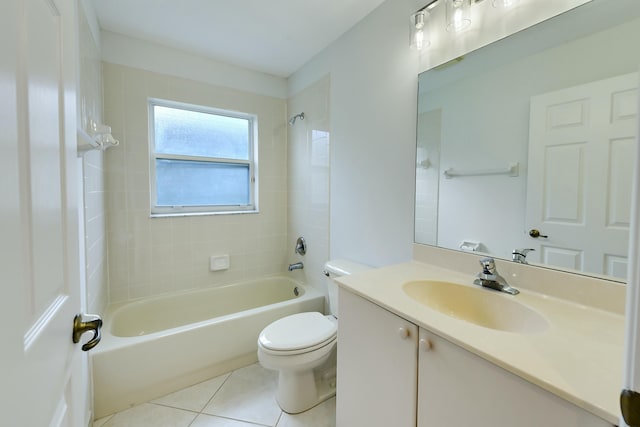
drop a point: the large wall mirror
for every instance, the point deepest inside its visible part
(529, 143)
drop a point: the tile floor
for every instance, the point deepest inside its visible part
(242, 398)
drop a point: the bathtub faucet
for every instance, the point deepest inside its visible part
(296, 266)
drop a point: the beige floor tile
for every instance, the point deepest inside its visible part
(193, 398)
(244, 398)
(323, 415)
(212, 421)
(101, 422)
(151, 415)
(247, 395)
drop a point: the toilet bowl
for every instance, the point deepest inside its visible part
(297, 346)
(302, 348)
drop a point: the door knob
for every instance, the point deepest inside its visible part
(404, 333)
(630, 407)
(426, 344)
(80, 326)
(536, 233)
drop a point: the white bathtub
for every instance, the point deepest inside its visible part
(159, 345)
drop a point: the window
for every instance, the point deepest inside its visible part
(202, 159)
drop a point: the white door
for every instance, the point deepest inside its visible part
(581, 157)
(38, 208)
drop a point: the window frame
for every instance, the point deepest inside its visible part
(161, 211)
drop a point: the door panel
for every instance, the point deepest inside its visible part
(39, 214)
(581, 152)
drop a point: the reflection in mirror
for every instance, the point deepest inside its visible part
(529, 143)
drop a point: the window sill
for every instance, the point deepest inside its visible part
(173, 215)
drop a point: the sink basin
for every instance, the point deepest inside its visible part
(479, 306)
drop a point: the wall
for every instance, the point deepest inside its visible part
(373, 120)
(90, 104)
(150, 256)
(308, 157)
(373, 123)
(94, 279)
(136, 53)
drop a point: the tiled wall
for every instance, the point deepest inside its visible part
(90, 104)
(308, 180)
(150, 256)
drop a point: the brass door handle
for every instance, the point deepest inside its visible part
(80, 326)
(630, 407)
(536, 233)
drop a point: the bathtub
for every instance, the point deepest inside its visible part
(159, 345)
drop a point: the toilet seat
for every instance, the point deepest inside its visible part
(298, 333)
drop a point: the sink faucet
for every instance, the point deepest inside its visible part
(520, 255)
(296, 266)
(489, 278)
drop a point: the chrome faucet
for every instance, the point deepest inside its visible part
(520, 255)
(489, 278)
(296, 266)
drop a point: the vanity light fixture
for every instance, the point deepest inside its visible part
(419, 29)
(458, 14)
(457, 18)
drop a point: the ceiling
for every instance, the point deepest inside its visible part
(275, 37)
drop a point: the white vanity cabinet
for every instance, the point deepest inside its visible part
(377, 362)
(456, 388)
(392, 373)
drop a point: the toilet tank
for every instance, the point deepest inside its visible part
(337, 268)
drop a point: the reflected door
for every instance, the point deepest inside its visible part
(40, 272)
(582, 145)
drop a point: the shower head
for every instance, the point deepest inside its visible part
(293, 119)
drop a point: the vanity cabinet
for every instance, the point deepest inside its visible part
(456, 388)
(393, 373)
(377, 362)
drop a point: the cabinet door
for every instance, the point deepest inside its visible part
(459, 389)
(377, 362)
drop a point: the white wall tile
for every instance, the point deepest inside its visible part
(308, 181)
(170, 254)
(90, 104)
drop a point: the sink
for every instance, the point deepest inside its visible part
(482, 307)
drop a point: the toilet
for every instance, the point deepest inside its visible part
(302, 348)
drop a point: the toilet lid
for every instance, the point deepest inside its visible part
(298, 331)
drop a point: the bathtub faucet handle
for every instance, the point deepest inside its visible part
(296, 266)
(301, 246)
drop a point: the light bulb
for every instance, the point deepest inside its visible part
(419, 35)
(457, 19)
(458, 15)
(419, 20)
(419, 39)
(504, 3)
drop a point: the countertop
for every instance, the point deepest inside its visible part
(579, 357)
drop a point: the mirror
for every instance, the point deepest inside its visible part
(530, 142)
